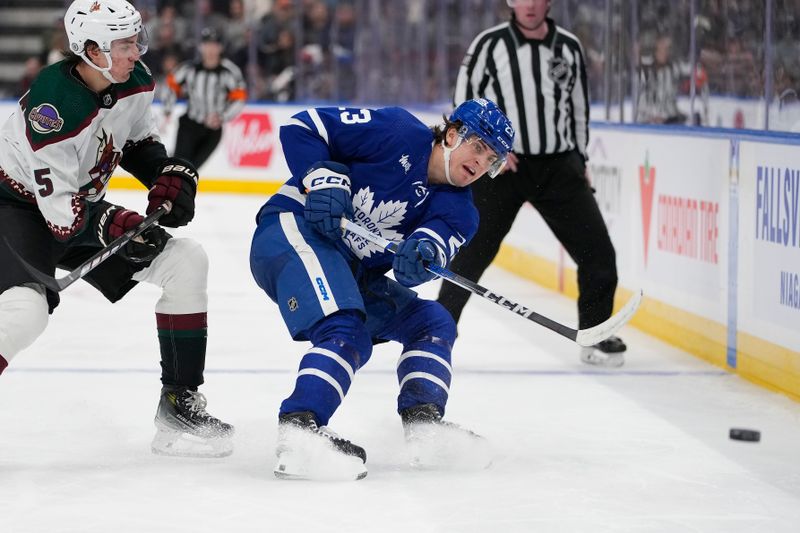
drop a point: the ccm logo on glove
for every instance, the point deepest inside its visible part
(327, 185)
(324, 177)
(329, 181)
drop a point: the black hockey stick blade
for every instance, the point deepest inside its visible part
(59, 284)
(584, 337)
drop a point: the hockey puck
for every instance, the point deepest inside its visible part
(749, 435)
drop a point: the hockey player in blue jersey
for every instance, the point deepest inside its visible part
(406, 182)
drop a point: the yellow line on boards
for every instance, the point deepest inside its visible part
(769, 365)
(207, 185)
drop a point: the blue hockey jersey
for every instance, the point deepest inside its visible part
(387, 151)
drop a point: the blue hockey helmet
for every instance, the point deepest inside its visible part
(483, 118)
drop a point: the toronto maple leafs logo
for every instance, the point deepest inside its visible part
(380, 219)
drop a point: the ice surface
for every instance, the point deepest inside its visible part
(641, 449)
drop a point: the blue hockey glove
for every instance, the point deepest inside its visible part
(327, 186)
(410, 260)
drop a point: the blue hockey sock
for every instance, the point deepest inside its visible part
(341, 345)
(424, 370)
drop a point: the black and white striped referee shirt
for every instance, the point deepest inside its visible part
(540, 85)
(220, 90)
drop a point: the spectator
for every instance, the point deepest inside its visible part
(206, 17)
(276, 50)
(738, 71)
(237, 33)
(343, 45)
(164, 45)
(55, 43)
(280, 18)
(32, 67)
(315, 51)
(177, 33)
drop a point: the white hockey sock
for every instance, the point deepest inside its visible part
(181, 270)
(23, 317)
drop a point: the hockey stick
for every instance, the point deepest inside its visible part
(584, 337)
(59, 284)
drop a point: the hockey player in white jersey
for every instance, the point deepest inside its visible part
(81, 118)
(401, 180)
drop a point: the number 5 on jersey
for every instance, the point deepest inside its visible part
(46, 183)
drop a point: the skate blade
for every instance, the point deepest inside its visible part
(179, 444)
(590, 356)
(311, 467)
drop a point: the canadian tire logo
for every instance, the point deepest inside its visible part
(647, 186)
(249, 140)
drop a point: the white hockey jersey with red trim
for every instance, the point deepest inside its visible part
(61, 146)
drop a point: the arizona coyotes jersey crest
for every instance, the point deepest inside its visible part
(61, 146)
(387, 151)
(107, 160)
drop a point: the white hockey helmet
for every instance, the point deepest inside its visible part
(102, 21)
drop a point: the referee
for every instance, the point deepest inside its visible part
(216, 93)
(535, 71)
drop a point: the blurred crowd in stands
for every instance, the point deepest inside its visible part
(408, 51)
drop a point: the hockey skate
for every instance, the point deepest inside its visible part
(437, 444)
(308, 451)
(185, 429)
(609, 353)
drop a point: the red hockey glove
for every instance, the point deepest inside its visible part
(143, 248)
(176, 183)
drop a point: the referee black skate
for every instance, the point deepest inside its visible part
(215, 91)
(542, 88)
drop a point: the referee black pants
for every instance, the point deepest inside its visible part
(195, 142)
(557, 187)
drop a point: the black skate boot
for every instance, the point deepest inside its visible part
(184, 427)
(609, 353)
(421, 416)
(308, 451)
(436, 443)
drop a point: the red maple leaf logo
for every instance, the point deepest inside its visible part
(647, 185)
(94, 7)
